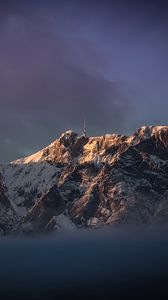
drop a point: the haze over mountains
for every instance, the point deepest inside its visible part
(88, 182)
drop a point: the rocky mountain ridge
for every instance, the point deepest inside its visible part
(80, 182)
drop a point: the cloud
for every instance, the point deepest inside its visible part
(49, 104)
(45, 89)
(62, 62)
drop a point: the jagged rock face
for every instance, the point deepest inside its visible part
(49, 205)
(61, 151)
(91, 182)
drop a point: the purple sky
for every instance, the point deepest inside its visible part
(63, 60)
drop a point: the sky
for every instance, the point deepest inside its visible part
(62, 61)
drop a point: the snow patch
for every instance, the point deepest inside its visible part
(64, 222)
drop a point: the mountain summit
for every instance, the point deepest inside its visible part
(81, 182)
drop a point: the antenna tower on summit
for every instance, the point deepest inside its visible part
(84, 127)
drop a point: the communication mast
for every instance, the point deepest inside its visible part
(84, 127)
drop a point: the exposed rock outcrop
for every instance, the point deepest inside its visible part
(92, 182)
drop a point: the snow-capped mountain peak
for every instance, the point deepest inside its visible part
(91, 181)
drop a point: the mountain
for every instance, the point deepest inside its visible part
(80, 182)
(8, 218)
